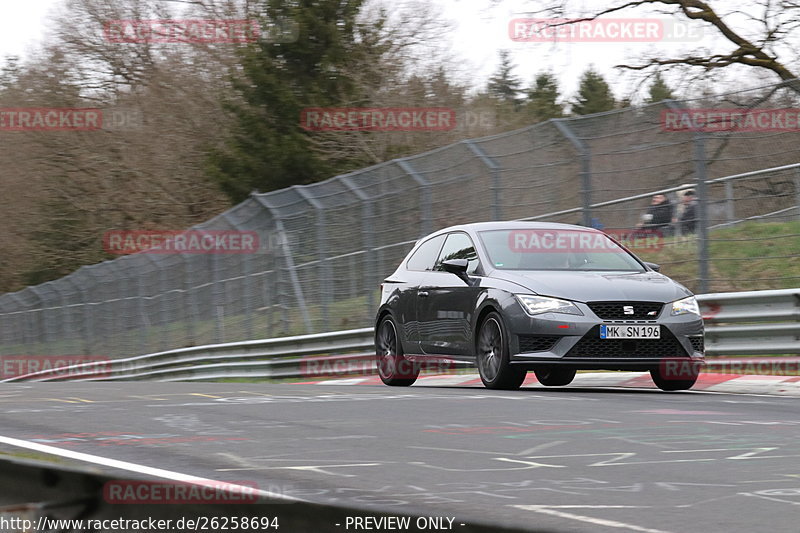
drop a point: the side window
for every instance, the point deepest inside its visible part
(459, 246)
(425, 256)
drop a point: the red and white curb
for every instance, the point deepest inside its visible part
(732, 383)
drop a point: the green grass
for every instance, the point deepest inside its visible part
(749, 256)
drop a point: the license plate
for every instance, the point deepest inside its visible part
(630, 332)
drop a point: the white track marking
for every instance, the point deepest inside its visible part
(140, 469)
(767, 498)
(552, 510)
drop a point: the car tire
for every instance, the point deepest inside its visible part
(393, 368)
(671, 384)
(493, 357)
(553, 376)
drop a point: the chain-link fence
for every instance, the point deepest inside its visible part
(326, 247)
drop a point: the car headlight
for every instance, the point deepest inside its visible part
(687, 305)
(535, 305)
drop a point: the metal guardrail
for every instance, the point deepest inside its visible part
(333, 353)
(737, 323)
(752, 323)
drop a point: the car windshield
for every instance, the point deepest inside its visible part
(556, 249)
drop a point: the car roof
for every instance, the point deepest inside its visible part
(485, 226)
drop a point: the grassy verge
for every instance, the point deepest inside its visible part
(749, 256)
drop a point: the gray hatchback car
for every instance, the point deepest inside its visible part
(553, 298)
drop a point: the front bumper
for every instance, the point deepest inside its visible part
(573, 340)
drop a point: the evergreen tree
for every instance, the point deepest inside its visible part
(270, 150)
(594, 94)
(504, 85)
(659, 90)
(542, 98)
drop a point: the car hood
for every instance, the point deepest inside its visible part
(597, 286)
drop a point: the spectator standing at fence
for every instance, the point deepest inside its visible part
(659, 215)
(687, 221)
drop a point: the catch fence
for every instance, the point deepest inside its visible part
(324, 248)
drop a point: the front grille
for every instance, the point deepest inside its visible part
(591, 345)
(697, 344)
(616, 310)
(537, 343)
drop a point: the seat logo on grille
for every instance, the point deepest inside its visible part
(627, 309)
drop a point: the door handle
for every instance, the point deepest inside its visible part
(422, 294)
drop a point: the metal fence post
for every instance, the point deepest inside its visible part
(162, 316)
(217, 308)
(701, 177)
(40, 320)
(189, 301)
(246, 279)
(494, 169)
(702, 209)
(586, 167)
(247, 293)
(426, 218)
(322, 252)
(289, 260)
(86, 331)
(368, 267)
(117, 315)
(65, 312)
(144, 317)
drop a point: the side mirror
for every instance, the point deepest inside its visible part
(457, 267)
(653, 266)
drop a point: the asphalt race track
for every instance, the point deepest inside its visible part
(571, 459)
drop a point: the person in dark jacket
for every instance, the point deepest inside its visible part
(659, 215)
(688, 219)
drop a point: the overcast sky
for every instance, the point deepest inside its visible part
(480, 31)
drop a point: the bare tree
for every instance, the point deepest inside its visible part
(759, 34)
